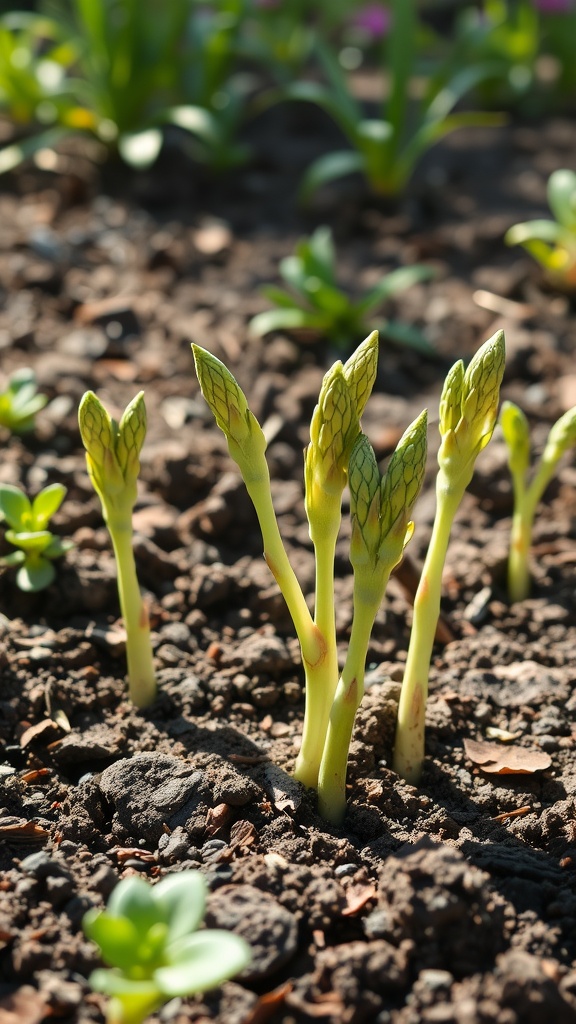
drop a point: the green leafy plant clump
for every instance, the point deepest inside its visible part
(150, 938)
(529, 488)
(20, 402)
(553, 242)
(122, 72)
(113, 463)
(28, 521)
(317, 305)
(386, 148)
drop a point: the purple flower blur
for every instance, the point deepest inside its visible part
(374, 19)
(554, 6)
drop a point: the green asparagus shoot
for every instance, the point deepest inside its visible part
(28, 521)
(528, 492)
(149, 937)
(468, 411)
(334, 429)
(381, 508)
(20, 402)
(112, 458)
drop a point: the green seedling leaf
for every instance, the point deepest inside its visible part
(322, 255)
(133, 900)
(36, 574)
(562, 198)
(140, 149)
(15, 558)
(411, 337)
(394, 282)
(15, 507)
(329, 168)
(148, 935)
(202, 961)
(286, 320)
(32, 542)
(279, 296)
(181, 900)
(46, 503)
(117, 937)
(553, 243)
(114, 983)
(294, 272)
(534, 230)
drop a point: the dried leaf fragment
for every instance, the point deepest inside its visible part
(509, 760)
(357, 898)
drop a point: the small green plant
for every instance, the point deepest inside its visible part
(316, 303)
(148, 935)
(381, 511)
(28, 521)
(553, 242)
(112, 459)
(386, 148)
(505, 39)
(468, 411)
(528, 492)
(20, 402)
(122, 72)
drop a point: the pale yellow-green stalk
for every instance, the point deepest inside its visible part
(334, 428)
(380, 508)
(468, 412)
(527, 493)
(112, 457)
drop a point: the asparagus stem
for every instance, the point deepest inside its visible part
(409, 746)
(349, 694)
(468, 410)
(141, 676)
(322, 677)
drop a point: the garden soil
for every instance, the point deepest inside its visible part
(452, 903)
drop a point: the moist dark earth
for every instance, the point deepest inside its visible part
(453, 903)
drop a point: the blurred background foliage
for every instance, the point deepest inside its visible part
(127, 71)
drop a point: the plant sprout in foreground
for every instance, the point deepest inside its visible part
(148, 935)
(28, 521)
(20, 402)
(553, 242)
(382, 519)
(527, 493)
(112, 458)
(468, 411)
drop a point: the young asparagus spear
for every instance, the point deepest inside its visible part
(468, 411)
(381, 527)
(112, 458)
(527, 493)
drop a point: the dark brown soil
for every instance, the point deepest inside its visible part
(454, 903)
